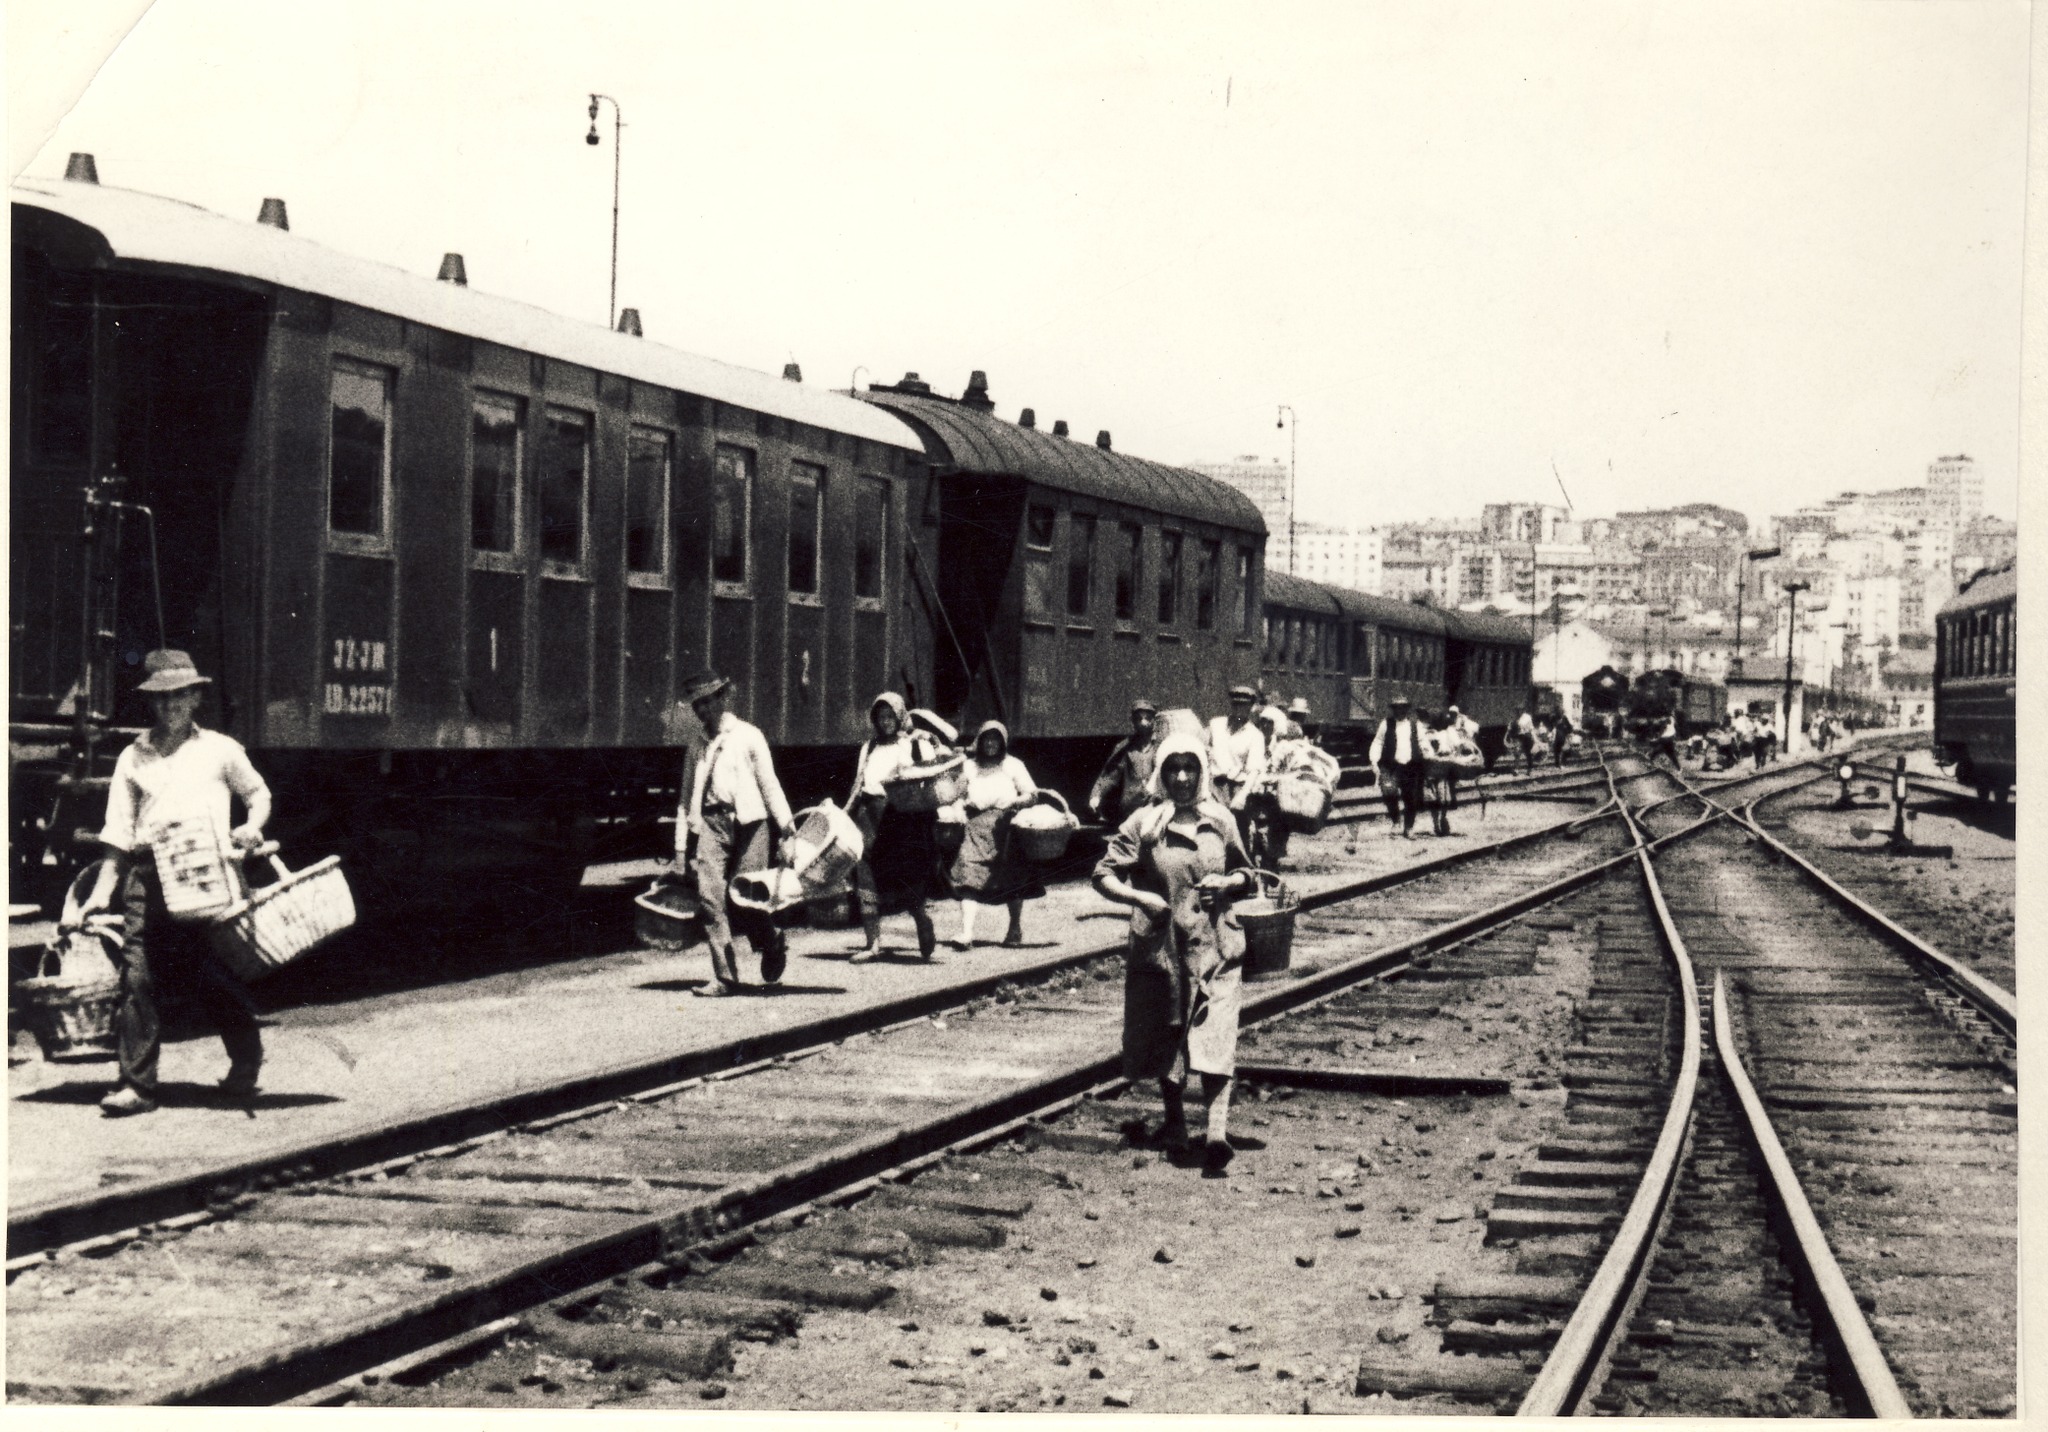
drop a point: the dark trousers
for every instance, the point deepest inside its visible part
(726, 849)
(1401, 789)
(167, 960)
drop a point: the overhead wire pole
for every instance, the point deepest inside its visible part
(618, 133)
(1293, 425)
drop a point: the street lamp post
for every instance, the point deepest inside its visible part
(1792, 591)
(618, 131)
(1755, 554)
(1534, 562)
(1293, 426)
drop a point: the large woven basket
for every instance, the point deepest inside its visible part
(1043, 831)
(280, 922)
(922, 789)
(69, 1003)
(666, 916)
(1304, 804)
(824, 850)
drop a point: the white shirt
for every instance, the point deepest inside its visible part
(737, 770)
(1006, 783)
(193, 783)
(1525, 725)
(1407, 741)
(1238, 755)
(879, 763)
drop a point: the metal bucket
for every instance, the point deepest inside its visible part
(1267, 920)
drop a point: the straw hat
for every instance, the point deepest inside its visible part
(703, 683)
(170, 671)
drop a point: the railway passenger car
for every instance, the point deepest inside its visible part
(1067, 579)
(447, 554)
(1696, 703)
(1351, 654)
(1976, 668)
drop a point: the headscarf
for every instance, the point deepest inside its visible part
(1179, 745)
(1001, 730)
(895, 703)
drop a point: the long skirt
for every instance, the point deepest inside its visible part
(900, 863)
(988, 869)
(1172, 1026)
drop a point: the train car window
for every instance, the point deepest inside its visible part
(1080, 563)
(359, 455)
(1129, 547)
(60, 424)
(806, 526)
(1268, 634)
(1361, 650)
(1169, 578)
(564, 488)
(2005, 667)
(497, 444)
(870, 537)
(648, 469)
(1247, 598)
(732, 519)
(1039, 526)
(1208, 577)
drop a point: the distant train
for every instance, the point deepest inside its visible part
(1697, 704)
(1976, 666)
(1603, 697)
(1350, 653)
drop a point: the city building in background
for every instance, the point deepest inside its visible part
(1266, 482)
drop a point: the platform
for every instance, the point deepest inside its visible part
(332, 1069)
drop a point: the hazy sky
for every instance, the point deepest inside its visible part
(1751, 254)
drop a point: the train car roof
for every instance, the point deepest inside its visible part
(1487, 626)
(1999, 584)
(971, 439)
(1388, 611)
(1299, 593)
(145, 229)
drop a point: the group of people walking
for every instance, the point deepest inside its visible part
(1418, 758)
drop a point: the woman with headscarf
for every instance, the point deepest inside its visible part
(1179, 865)
(986, 872)
(899, 860)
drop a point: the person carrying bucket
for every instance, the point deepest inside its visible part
(1180, 866)
(177, 778)
(734, 798)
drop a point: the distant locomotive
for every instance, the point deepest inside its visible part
(1696, 704)
(1976, 666)
(448, 556)
(1603, 696)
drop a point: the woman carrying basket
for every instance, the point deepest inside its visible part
(900, 859)
(987, 871)
(1180, 864)
(176, 772)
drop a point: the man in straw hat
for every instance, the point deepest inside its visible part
(1397, 756)
(179, 774)
(724, 831)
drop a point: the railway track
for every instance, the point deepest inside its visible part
(1819, 1251)
(463, 1255)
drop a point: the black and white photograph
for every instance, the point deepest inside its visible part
(1085, 707)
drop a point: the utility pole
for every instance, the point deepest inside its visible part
(618, 131)
(1792, 591)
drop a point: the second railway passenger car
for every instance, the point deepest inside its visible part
(1976, 673)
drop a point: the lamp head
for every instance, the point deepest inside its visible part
(591, 138)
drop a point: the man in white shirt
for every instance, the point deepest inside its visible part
(1237, 752)
(1525, 740)
(173, 788)
(732, 797)
(1397, 757)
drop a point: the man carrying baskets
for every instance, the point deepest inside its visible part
(167, 804)
(1400, 763)
(723, 833)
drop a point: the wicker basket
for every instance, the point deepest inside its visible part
(665, 915)
(280, 922)
(922, 789)
(69, 1003)
(1268, 924)
(824, 850)
(198, 869)
(1043, 831)
(1304, 804)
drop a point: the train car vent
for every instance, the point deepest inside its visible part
(1027, 419)
(453, 271)
(976, 396)
(913, 384)
(791, 373)
(629, 321)
(1059, 427)
(272, 213)
(1102, 440)
(80, 169)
